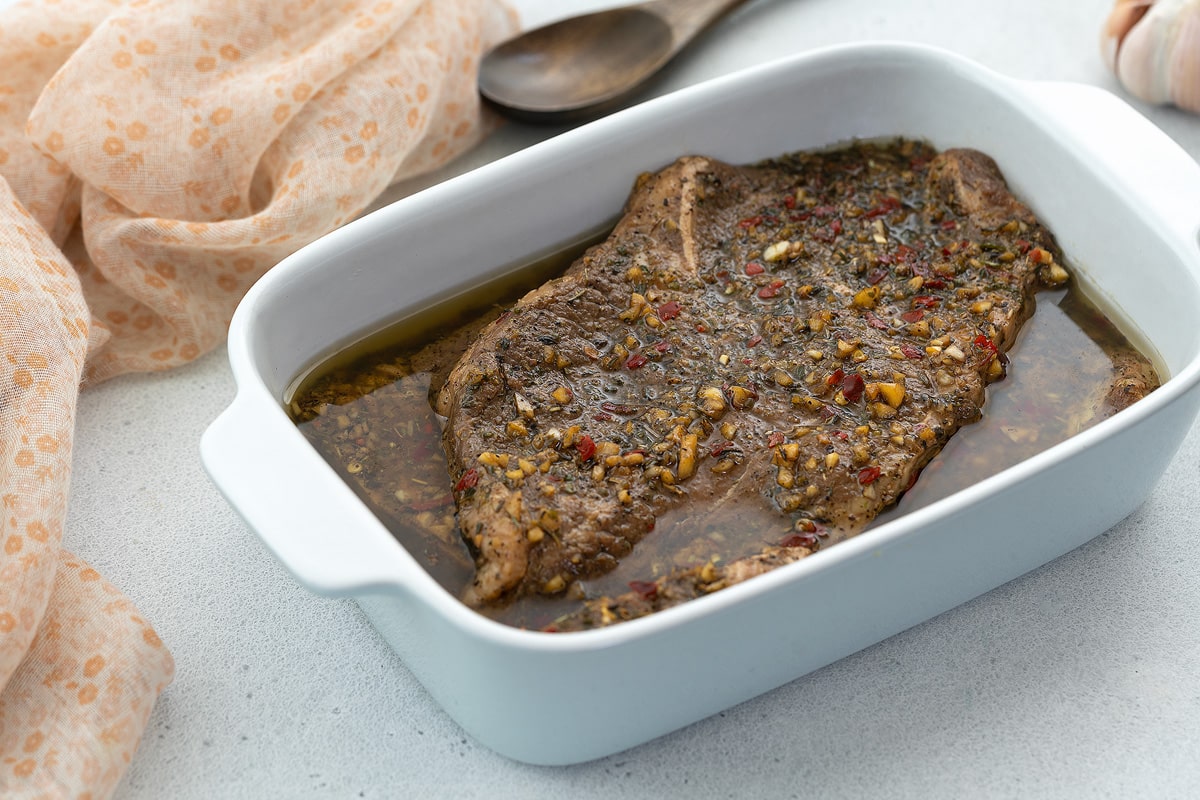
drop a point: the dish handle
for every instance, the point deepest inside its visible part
(299, 513)
(1130, 148)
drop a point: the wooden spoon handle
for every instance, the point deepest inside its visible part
(689, 17)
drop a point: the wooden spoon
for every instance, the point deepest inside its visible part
(585, 66)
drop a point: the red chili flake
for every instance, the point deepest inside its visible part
(868, 475)
(775, 438)
(984, 343)
(888, 205)
(904, 252)
(669, 310)
(647, 590)
(754, 340)
(911, 352)
(1040, 256)
(824, 211)
(586, 447)
(1023, 245)
(876, 276)
(602, 417)
(949, 225)
(852, 387)
(723, 274)
(750, 222)
(700, 327)
(875, 322)
(635, 361)
(803, 216)
(827, 413)
(754, 268)
(551, 628)
(770, 290)
(934, 283)
(721, 447)
(913, 316)
(835, 377)
(469, 479)
(663, 346)
(925, 301)
(789, 202)
(841, 435)
(808, 540)
(885, 258)
(836, 226)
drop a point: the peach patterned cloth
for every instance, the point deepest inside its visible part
(156, 158)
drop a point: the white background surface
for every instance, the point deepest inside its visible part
(1080, 679)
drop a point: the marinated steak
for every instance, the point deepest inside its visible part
(789, 342)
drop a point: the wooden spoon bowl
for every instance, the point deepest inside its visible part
(584, 66)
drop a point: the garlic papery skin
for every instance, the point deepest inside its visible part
(1125, 14)
(1153, 46)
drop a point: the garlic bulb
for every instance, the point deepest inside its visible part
(1153, 46)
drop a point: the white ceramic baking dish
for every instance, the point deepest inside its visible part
(1122, 198)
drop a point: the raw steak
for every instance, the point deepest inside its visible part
(780, 347)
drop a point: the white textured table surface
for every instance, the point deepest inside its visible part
(1079, 679)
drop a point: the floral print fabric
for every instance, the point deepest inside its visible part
(156, 158)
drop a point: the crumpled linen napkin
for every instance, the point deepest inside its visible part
(156, 158)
